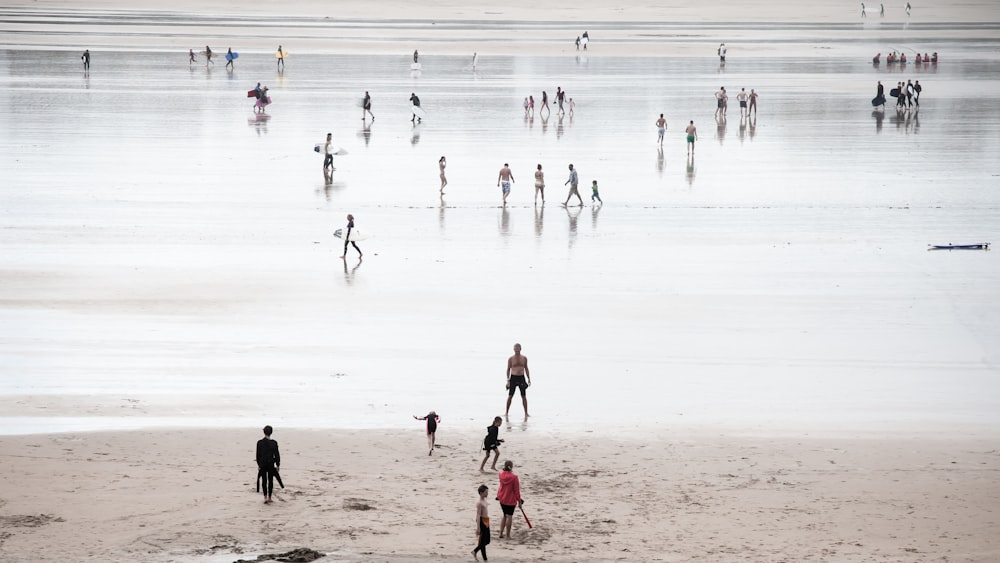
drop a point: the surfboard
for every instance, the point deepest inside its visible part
(977, 246)
(356, 235)
(281, 54)
(334, 149)
(234, 55)
(418, 111)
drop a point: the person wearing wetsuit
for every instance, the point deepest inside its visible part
(268, 461)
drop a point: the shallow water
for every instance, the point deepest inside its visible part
(167, 257)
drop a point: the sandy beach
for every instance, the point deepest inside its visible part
(748, 356)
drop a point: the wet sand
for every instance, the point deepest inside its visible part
(168, 263)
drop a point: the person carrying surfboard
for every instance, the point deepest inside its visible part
(347, 237)
(416, 104)
(328, 160)
(230, 57)
(366, 107)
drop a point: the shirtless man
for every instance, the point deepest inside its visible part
(719, 100)
(517, 377)
(753, 102)
(504, 180)
(692, 136)
(661, 128)
(742, 97)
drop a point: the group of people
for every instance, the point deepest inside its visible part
(900, 58)
(748, 101)
(505, 179)
(582, 40)
(260, 93)
(907, 95)
(561, 101)
(881, 10)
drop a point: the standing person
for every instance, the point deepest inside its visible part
(909, 94)
(208, 55)
(692, 136)
(594, 194)
(585, 39)
(518, 375)
(539, 184)
(742, 98)
(572, 108)
(85, 57)
(577, 42)
(268, 460)
(327, 154)
(432, 423)
(441, 165)
(545, 102)
(531, 105)
(661, 128)
(881, 10)
(722, 53)
(880, 94)
(482, 524)
(573, 182)
(230, 59)
(509, 495)
(475, 60)
(347, 237)
(525, 107)
(719, 94)
(416, 103)
(560, 98)
(366, 107)
(753, 103)
(415, 55)
(190, 56)
(281, 58)
(504, 180)
(491, 443)
(917, 88)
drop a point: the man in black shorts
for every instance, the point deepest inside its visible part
(518, 376)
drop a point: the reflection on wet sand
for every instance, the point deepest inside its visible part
(690, 169)
(573, 214)
(539, 221)
(349, 274)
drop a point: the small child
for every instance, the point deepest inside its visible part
(482, 523)
(432, 423)
(492, 443)
(572, 106)
(595, 195)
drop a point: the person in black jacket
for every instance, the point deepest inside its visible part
(268, 461)
(492, 443)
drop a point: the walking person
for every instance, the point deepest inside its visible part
(85, 57)
(573, 182)
(230, 58)
(560, 98)
(722, 53)
(909, 94)
(441, 165)
(539, 184)
(719, 95)
(504, 180)
(432, 423)
(863, 14)
(491, 443)
(907, 9)
(531, 105)
(692, 136)
(753, 103)
(482, 524)
(545, 103)
(347, 237)
(268, 460)
(917, 88)
(661, 128)
(208, 55)
(190, 57)
(281, 58)
(595, 195)
(366, 107)
(327, 154)
(900, 96)
(509, 495)
(881, 10)
(416, 104)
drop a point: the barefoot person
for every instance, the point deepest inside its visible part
(539, 184)
(347, 236)
(444, 181)
(692, 136)
(268, 461)
(518, 376)
(432, 424)
(661, 128)
(509, 495)
(327, 154)
(366, 107)
(504, 180)
(482, 524)
(491, 443)
(574, 183)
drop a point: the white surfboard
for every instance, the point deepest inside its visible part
(356, 235)
(419, 112)
(334, 149)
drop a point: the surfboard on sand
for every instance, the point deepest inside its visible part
(281, 54)
(232, 56)
(356, 235)
(334, 149)
(419, 112)
(976, 246)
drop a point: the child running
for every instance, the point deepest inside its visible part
(432, 423)
(595, 195)
(492, 443)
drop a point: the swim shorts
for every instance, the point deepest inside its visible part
(506, 187)
(507, 509)
(690, 138)
(743, 104)
(720, 102)
(515, 382)
(661, 131)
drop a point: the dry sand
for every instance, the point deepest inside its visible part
(376, 496)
